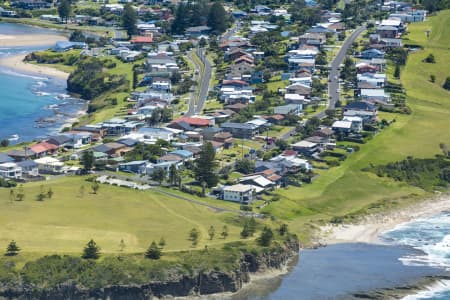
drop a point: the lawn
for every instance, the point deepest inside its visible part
(66, 222)
(346, 189)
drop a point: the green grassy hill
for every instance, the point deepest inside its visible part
(65, 223)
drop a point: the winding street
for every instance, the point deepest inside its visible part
(333, 77)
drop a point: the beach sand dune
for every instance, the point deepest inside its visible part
(370, 228)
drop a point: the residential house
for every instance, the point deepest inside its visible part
(241, 68)
(257, 180)
(63, 46)
(5, 158)
(193, 122)
(375, 96)
(19, 154)
(372, 53)
(299, 89)
(306, 148)
(197, 31)
(375, 79)
(364, 110)
(140, 41)
(111, 149)
(149, 168)
(387, 31)
(10, 170)
(362, 68)
(240, 130)
(348, 124)
(150, 133)
(43, 149)
(288, 109)
(240, 193)
(49, 165)
(209, 132)
(60, 140)
(29, 168)
(132, 166)
(161, 84)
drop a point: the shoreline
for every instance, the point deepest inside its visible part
(370, 228)
(16, 63)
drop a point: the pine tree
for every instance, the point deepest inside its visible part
(397, 72)
(91, 251)
(95, 187)
(224, 232)
(129, 20)
(88, 160)
(162, 242)
(245, 232)
(211, 232)
(194, 236)
(12, 249)
(447, 84)
(49, 193)
(205, 166)
(173, 174)
(266, 237)
(217, 17)
(153, 252)
(64, 9)
(252, 226)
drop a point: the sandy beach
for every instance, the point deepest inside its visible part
(17, 63)
(29, 40)
(370, 229)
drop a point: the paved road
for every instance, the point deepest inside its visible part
(199, 97)
(333, 77)
(205, 80)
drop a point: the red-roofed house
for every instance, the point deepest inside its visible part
(194, 122)
(43, 148)
(142, 40)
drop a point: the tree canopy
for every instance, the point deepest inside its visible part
(129, 20)
(205, 166)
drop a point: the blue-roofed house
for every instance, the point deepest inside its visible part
(372, 53)
(184, 154)
(63, 46)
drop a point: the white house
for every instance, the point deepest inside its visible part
(242, 193)
(10, 170)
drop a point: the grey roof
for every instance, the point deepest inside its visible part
(238, 125)
(27, 164)
(5, 158)
(128, 142)
(58, 139)
(360, 105)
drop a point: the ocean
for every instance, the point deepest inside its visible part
(31, 106)
(432, 237)
(411, 251)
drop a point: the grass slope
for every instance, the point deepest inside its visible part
(346, 189)
(66, 222)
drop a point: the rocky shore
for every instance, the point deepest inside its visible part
(198, 284)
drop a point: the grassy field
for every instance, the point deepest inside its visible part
(66, 222)
(346, 189)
